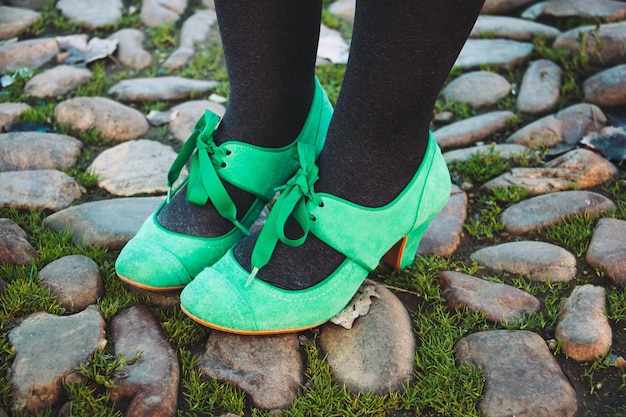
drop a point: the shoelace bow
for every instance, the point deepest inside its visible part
(292, 202)
(204, 184)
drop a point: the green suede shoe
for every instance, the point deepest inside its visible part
(159, 259)
(227, 297)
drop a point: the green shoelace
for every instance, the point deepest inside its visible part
(292, 202)
(204, 183)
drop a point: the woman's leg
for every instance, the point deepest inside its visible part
(270, 49)
(401, 54)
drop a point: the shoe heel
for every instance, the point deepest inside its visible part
(402, 254)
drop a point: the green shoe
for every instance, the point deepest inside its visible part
(227, 297)
(159, 259)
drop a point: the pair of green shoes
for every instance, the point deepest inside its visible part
(220, 293)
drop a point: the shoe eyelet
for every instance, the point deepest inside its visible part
(313, 218)
(321, 204)
(228, 152)
(223, 164)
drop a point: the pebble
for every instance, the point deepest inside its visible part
(268, 368)
(159, 88)
(472, 129)
(187, 114)
(195, 31)
(15, 249)
(74, 280)
(503, 6)
(110, 223)
(151, 383)
(541, 87)
(545, 210)
(443, 235)
(607, 88)
(579, 120)
(605, 10)
(14, 20)
(130, 50)
(91, 14)
(477, 89)
(500, 303)
(344, 9)
(578, 169)
(512, 28)
(135, 167)
(583, 328)
(57, 81)
(500, 53)
(114, 121)
(505, 150)
(542, 133)
(360, 365)
(604, 45)
(538, 261)
(607, 249)
(31, 54)
(522, 379)
(161, 12)
(23, 151)
(332, 48)
(11, 111)
(44, 189)
(48, 348)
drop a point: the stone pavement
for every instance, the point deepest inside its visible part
(582, 145)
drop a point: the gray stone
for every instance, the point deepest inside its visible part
(151, 383)
(583, 328)
(500, 53)
(503, 6)
(57, 81)
(545, 210)
(32, 53)
(92, 14)
(15, 249)
(539, 134)
(113, 120)
(344, 9)
(541, 87)
(604, 44)
(11, 111)
(14, 20)
(506, 151)
(160, 88)
(605, 10)
(75, 280)
(500, 303)
(579, 120)
(607, 249)
(522, 378)
(577, 169)
(187, 114)
(607, 88)
(27, 4)
(195, 31)
(533, 11)
(130, 51)
(477, 89)
(512, 28)
(49, 348)
(23, 151)
(161, 12)
(443, 235)
(332, 48)
(539, 261)
(377, 354)
(38, 189)
(268, 368)
(135, 167)
(472, 130)
(110, 223)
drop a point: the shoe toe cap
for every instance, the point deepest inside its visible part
(151, 267)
